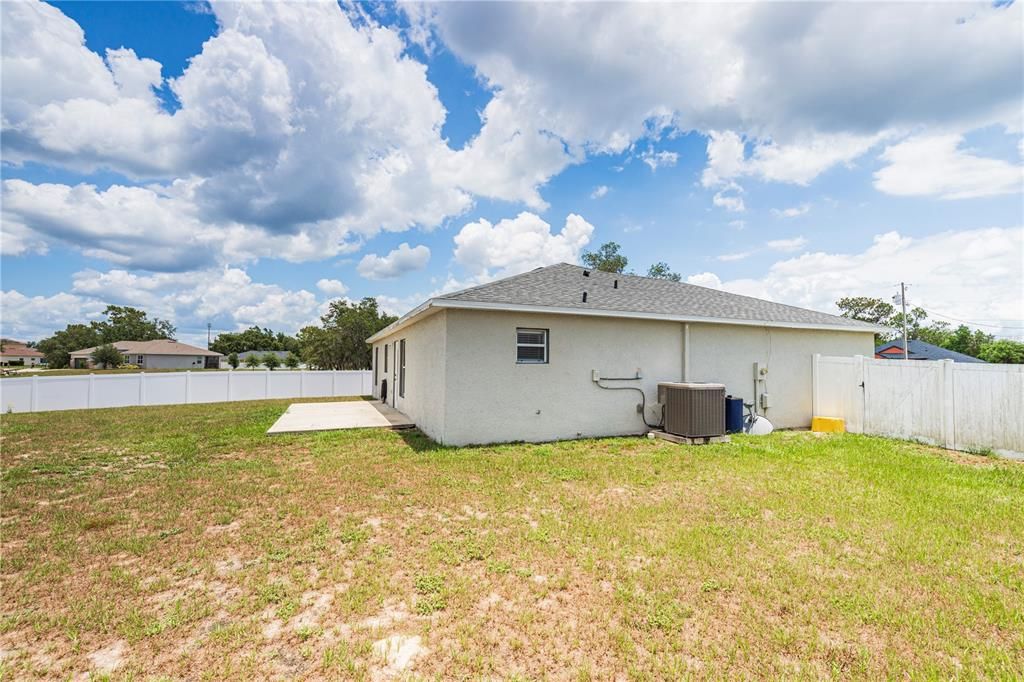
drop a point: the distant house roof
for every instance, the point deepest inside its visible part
(157, 347)
(17, 349)
(919, 350)
(561, 288)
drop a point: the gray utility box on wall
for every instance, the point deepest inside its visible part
(693, 409)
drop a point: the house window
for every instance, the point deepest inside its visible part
(376, 364)
(385, 358)
(531, 346)
(401, 371)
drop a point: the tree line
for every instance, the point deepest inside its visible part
(339, 342)
(961, 339)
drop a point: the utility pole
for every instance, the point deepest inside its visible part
(903, 303)
(209, 326)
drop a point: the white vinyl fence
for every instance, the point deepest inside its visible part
(955, 405)
(40, 394)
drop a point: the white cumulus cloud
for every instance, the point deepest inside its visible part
(938, 165)
(936, 266)
(331, 287)
(395, 264)
(514, 245)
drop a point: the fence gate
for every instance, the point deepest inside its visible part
(961, 406)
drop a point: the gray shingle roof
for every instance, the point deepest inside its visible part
(563, 285)
(921, 350)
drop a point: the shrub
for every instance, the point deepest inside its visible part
(271, 361)
(253, 361)
(233, 360)
(292, 361)
(107, 356)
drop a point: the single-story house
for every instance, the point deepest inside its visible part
(17, 353)
(158, 354)
(919, 350)
(548, 354)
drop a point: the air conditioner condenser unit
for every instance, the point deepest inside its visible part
(693, 410)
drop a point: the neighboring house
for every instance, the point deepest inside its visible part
(919, 350)
(158, 354)
(17, 353)
(516, 359)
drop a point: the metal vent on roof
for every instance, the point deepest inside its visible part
(615, 284)
(584, 297)
(586, 273)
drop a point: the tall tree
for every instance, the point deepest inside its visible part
(661, 270)
(607, 258)
(867, 309)
(340, 343)
(969, 341)
(58, 348)
(131, 324)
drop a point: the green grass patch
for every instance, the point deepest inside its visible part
(213, 551)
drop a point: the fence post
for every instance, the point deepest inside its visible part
(188, 386)
(863, 394)
(301, 386)
(229, 384)
(334, 382)
(948, 406)
(142, 388)
(34, 400)
(92, 383)
(815, 395)
(266, 383)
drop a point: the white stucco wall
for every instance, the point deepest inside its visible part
(727, 353)
(491, 398)
(463, 385)
(170, 361)
(26, 360)
(425, 386)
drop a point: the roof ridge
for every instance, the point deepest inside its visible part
(498, 281)
(718, 291)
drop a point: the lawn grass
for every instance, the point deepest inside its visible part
(182, 542)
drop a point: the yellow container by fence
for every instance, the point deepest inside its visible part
(828, 425)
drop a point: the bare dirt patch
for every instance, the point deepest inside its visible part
(109, 658)
(397, 655)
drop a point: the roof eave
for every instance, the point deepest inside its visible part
(404, 321)
(440, 303)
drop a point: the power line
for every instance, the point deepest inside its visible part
(976, 324)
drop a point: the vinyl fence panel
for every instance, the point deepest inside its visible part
(988, 402)
(41, 393)
(961, 406)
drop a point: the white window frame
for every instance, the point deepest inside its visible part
(545, 345)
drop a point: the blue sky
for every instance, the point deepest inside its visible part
(274, 172)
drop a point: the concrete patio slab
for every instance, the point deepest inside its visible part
(352, 414)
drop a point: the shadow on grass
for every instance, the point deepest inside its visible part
(418, 441)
